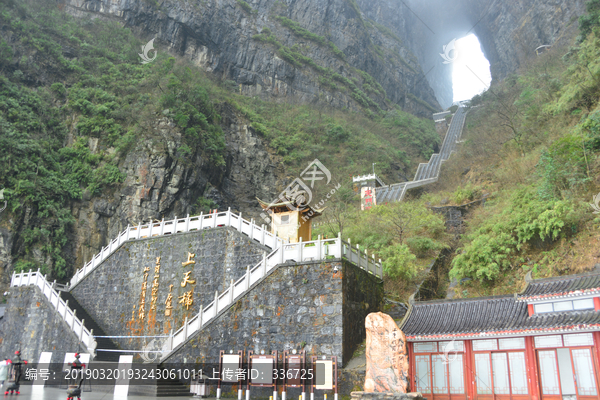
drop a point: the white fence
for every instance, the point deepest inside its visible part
(62, 307)
(299, 252)
(181, 225)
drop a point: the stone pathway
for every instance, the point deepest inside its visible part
(427, 173)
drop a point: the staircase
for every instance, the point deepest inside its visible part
(102, 343)
(426, 172)
(171, 388)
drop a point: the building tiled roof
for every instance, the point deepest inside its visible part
(562, 286)
(488, 317)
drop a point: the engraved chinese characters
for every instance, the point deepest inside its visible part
(187, 299)
(142, 310)
(155, 285)
(387, 358)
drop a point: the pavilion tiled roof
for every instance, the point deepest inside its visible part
(562, 286)
(488, 317)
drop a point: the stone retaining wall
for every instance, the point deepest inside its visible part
(31, 323)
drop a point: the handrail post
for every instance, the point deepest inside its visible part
(216, 303)
(127, 233)
(187, 223)
(185, 329)
(240, 221)
(151, 225)
(340, 245)
(73, 321)
(66, 307)
(229, 216)
(37, 277)
(251, 229)
(162, 226)
(366, 260)
(264, 262)
(319, 244)
(175, 225)
(380, 269)
(200, 316)
(262, 239)
(247, 277)
(139, 230)
(358, 254)
(215, 219)
(81, 331)
(231, 292)
(282, 251)
(300, 249)
(29, 277)
(201, 219)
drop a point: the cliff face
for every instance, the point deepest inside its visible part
(224, 36)
(509, 31)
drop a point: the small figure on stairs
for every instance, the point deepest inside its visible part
(77, 377)
(15, 372)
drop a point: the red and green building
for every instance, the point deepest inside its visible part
(541, 344)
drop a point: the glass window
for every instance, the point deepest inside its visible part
(518, 373)
(548, 341)
(543, 308)
(440, 374)
(285, 219)
(585, 304)
(452, 346)
(483, 375)
(512, 343)
(563, 306)
(425, 347)
(548, 372)
(579, 339)
(584, 371)
(500, 368)
(482, 345)
(423, 383)
(457, 377)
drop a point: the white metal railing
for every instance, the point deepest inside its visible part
(299, 252)
(62, 307)
(181, 225)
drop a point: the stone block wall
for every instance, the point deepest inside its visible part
(362, 294)
(112, 294)
(306, 305)
(33, 323)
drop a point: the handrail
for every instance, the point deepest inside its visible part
(62, 307)
(180, 225)
(299, 252)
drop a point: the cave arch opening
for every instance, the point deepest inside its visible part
(470, 70)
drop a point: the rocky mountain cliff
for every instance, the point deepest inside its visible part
(509, 31)
(308, 51)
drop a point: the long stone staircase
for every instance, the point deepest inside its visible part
(282, 253)
(429, 172)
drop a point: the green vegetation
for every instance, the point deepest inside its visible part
(533, 146)
(68, 123)
(294, 57)
(306, 34)
(246, 7)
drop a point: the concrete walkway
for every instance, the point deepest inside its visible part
(40, 393)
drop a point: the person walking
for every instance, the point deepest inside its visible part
(4, 370)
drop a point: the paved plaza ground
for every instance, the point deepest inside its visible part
(39, 393)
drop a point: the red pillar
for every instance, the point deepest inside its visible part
(532, 369)
(411, 367)
(597, 303)
(469, 371)
(530, 309)
(596, 336)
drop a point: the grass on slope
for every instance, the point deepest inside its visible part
(65, 81)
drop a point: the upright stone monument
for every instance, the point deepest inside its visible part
(387, 357)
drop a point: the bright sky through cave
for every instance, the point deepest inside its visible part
(471, 70)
